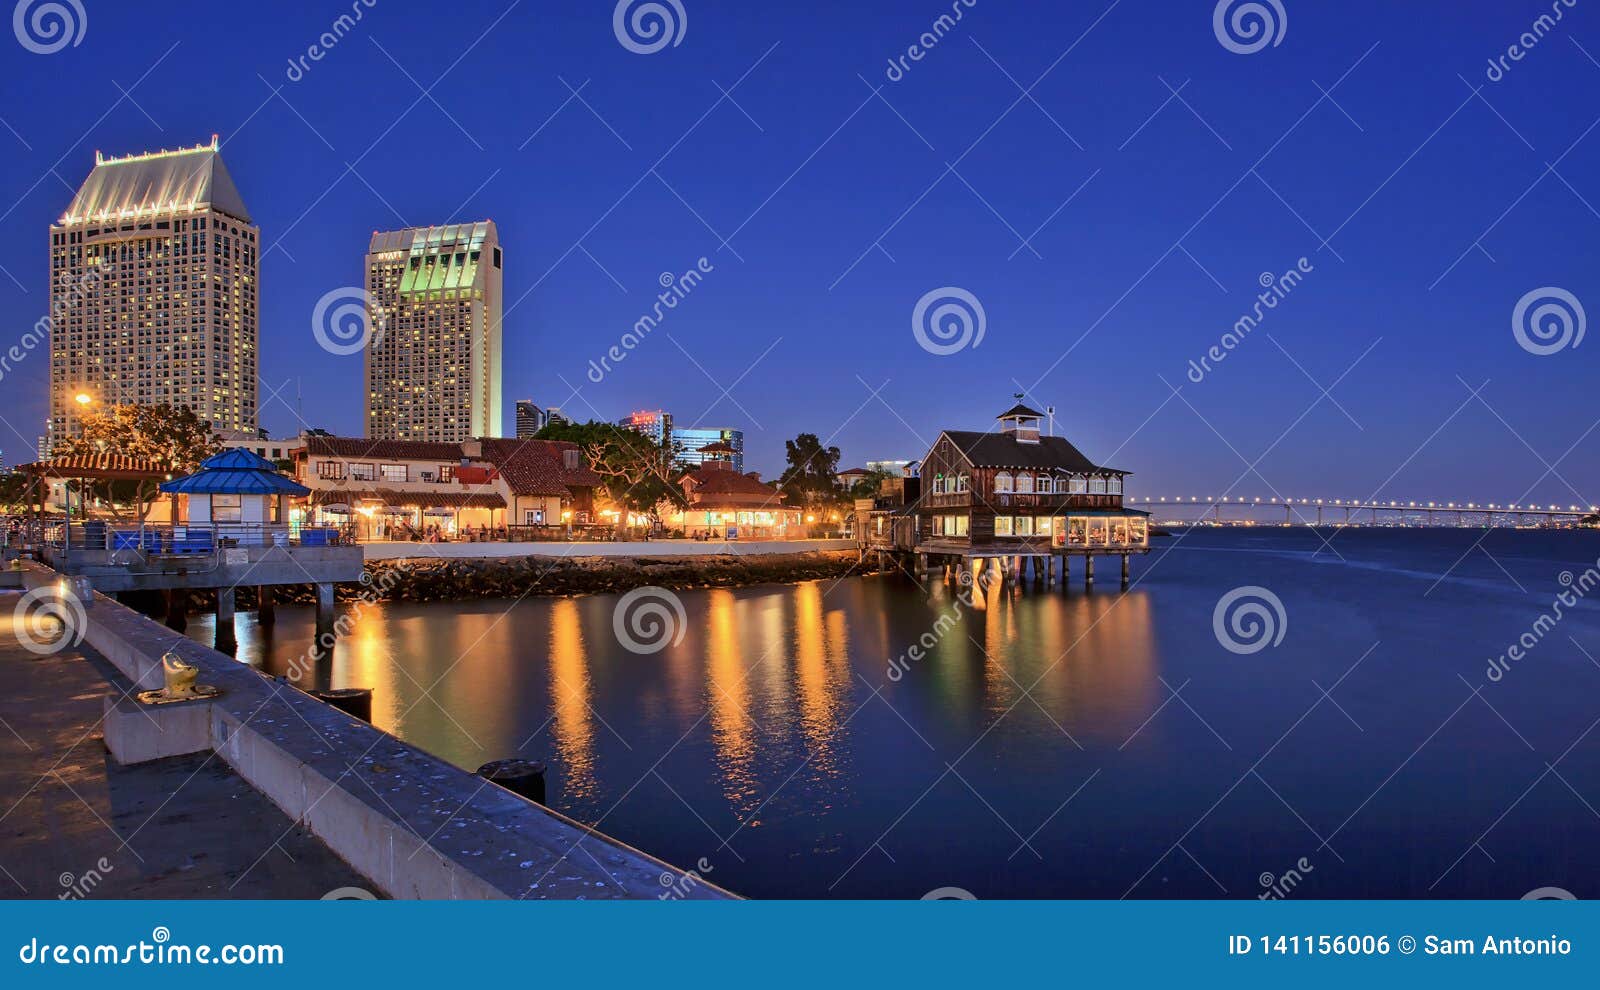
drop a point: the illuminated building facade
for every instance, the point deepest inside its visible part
(433, 362)
(154, 272)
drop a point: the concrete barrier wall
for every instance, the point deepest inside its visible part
(414, 825)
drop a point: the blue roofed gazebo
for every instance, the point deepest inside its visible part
(238, 495)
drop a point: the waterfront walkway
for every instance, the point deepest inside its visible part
(653, 548)
(75, 823)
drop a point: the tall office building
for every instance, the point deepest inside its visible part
(689, 441)
(433, 364)
(154, 269)
(657, 425)
(530, 419)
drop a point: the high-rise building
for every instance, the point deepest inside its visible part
(657, 425)
(689, 441)
(154, 269)
(530, 419)
(433, 364)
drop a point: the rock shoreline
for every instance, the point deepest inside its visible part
(430, 579)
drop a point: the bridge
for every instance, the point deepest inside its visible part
(1357, 512)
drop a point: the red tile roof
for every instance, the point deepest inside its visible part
(394, 450)
(709, 483)
(96, 465)
(537, 467)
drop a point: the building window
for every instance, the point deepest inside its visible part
(333, 470)
(1042, 526)
(1097, 486)
(569, 459)
(1024, 483)
(1002, 525)
(362, 472)
(1114, 485)
(1023, 526)
(938, 484)
(447, 472)
(227, 508)
(1002, 482)
(394, 472)
(961, 484)
(1077, 485)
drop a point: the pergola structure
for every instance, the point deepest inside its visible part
(101, 466)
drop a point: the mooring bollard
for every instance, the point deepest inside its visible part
(351, 701)
(520, 777)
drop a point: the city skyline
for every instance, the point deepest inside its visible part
(1412, 208)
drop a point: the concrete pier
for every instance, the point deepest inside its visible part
(81, 825)
(435, 832)
(266, 608)
(226, 641)
(325, 610)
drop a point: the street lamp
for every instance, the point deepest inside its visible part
(83, 399)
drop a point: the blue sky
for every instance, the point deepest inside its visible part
(1111, 231)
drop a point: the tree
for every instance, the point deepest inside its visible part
(14, 492)
(808, 478)
(174, 440)
(638, 474)
(868, 486)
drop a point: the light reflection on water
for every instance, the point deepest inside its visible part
(1046, 744)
